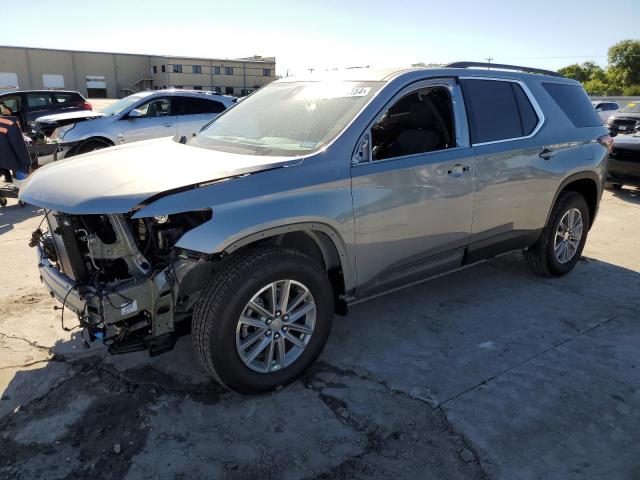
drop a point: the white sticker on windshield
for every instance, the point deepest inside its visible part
(360, 92)
(327, 91)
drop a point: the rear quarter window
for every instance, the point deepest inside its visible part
(575, 104)
(66, 98)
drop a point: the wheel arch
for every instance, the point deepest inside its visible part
(316, 240)
(589, 185)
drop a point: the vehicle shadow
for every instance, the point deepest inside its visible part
(14, 214)
(629, 194)
(432, 342)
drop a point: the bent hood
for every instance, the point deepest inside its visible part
(117, 179)
(67, 117)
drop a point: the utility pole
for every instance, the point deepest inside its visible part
(489, 59)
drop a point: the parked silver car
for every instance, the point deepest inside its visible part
(605, 108)
(140, 116)
(311, 195)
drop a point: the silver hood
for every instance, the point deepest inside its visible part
(117, 179)
(57, 117)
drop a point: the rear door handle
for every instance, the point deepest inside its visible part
(458, 169)
(548, 152)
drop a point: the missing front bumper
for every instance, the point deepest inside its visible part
(134, 315)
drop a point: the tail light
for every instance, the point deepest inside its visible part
(606, 141)
(87, 106)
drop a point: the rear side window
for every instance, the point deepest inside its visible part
(36, 100)
(574, 102)
(195, 106)
(65, 98)
(497, 110)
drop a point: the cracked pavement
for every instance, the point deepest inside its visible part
(489, 372)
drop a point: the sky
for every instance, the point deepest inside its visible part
(331, 34)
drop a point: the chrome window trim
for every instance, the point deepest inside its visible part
(532, 100)
(459, 119)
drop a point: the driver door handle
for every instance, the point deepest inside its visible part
(458, 169)
(548, 152)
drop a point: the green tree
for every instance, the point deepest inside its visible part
(625, 57)
(583, 73)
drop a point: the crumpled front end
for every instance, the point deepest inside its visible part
(123, 278)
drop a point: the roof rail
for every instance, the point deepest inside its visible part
(501, 66)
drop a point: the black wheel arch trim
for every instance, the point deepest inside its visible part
(309, 228)
(585, 175)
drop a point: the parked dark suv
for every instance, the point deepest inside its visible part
(28, 105)
(312, 194)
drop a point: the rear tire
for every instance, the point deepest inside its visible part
(224, 319)
(548, 257)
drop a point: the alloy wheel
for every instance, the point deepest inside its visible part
(568, 235)
(276, 326)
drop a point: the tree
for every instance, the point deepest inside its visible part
(621, 77)
(625, 57)
(583, 73)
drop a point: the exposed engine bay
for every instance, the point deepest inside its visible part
(123, 277)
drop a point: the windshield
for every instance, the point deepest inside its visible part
(121, 105)
(632, 108)
(288, 119)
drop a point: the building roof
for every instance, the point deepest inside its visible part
(254, 59)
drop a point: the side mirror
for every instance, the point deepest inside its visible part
(362, 155)
(135, 113)
(183, 139)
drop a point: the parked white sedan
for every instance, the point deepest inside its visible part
(605, 109)
(142, 116)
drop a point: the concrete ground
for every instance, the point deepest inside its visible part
(490, 372)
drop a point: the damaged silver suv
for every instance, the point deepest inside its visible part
(312, 194)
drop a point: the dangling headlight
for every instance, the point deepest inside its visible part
(58, 133)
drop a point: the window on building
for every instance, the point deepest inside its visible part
(164, 87)
(228, 90)
(197, 87)
(418, 123)
(493, 108)
(177, 69)
(178, 86)
(247, 91)
(162, 67)
(228, 70)
(216, 70)
(197, 68)
(155, 69)
(217, 89)
(156, 88)
(266, 72)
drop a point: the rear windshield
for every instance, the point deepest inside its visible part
(574, 102)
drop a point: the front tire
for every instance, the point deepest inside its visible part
(263, 320)
(563, 238)
(92, 145)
